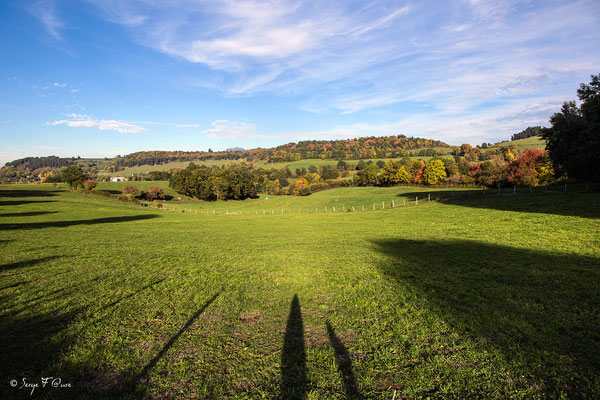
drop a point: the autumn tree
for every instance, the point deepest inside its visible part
(301, 187)
(434, 172)
(532, 168)
(393, 173)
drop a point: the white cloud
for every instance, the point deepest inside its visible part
(45, 12)
(223, 129)
(85, 121)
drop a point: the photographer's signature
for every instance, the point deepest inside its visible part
(50, 381)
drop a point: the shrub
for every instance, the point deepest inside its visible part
(130, 191)
(155, 192)
(89, 185)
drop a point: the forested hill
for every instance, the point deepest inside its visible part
(360, 148)
(33, 163)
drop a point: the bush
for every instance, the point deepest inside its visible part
(89, 185)
(155, 192)
(131, 191)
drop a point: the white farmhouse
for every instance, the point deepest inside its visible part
(118, 179)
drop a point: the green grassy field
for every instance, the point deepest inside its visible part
(476, 297)
(534, 142)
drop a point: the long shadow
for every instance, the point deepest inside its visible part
(342, 357)
(28, 193)
(541, 309)
(63, 224)
(114, 303)
(14, 285)
(19, 202)
(144, 373)
(544, 201)
(52, 295)
(293, 356)
(28, 263)
(27, 214)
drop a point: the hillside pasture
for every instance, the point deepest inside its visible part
(475, 297)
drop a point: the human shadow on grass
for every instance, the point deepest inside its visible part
(550, 202)
(293, 356)
(344, 362)
(541, 309)
(64, 224)
(27, 214)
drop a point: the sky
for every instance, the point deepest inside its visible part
(99, 78)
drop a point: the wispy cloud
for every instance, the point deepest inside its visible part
(347, 57)
(85, 121)
(45, 12)
(223, 129)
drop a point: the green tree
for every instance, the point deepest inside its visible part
(434, 172)
(329, 172)
(367, 176)
(573, 141)
(73, 176)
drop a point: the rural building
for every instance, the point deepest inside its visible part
(118, 179)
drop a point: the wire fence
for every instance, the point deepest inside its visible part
(410, 199)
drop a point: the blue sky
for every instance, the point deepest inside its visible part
(107, 77)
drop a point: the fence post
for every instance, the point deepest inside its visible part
(282, 211)
(565, 188)
(514, 189)
(416, 200)
(404, 202)
(333, 208)
(373, 206)
(352, 208)
(363, 207)
(429, 197)
(383, 205)
(213, 212)
(393, 204)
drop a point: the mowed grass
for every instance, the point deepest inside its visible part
(481, 297)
